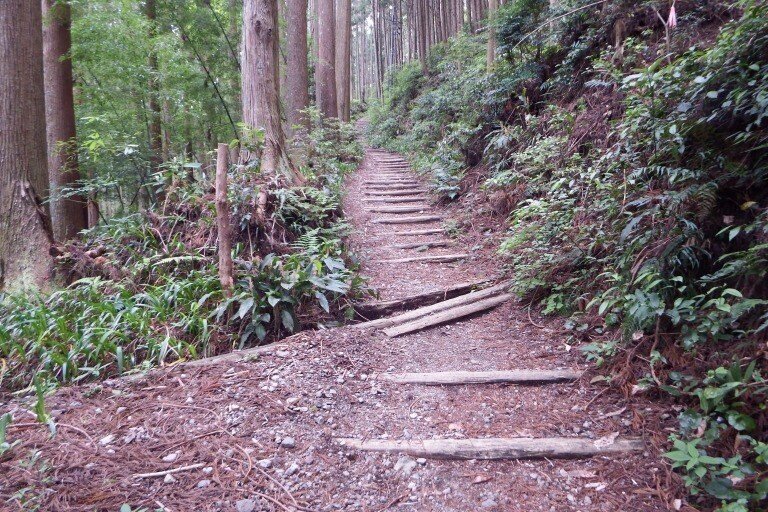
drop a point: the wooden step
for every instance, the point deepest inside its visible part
(449, 315)
(418, 245)
(410, 316)
(409, 220)
(391, 186)
(396, 200)
(379, 309)
(420, 232)
(492, 377)
(447, 258)
(499, 448)
(398, 209)
(387, 193)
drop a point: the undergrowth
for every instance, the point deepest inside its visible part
(144, 289)
(636, 170)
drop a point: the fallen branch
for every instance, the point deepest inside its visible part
(170, 471)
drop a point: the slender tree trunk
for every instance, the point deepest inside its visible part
(421, 33)
(25, 230)
(325, 74)
(68, 216)
(261, 96)
(298, 65)
(343, 57)
(491, 53)
(154, 128)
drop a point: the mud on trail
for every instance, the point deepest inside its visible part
(290, 427)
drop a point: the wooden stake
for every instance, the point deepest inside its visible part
(226, 269)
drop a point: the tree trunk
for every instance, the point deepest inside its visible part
(68, 216)
(25, 230)
(261, 96)
(491, 54)
(421, 33)
(298, 67)
(343, 57)
(325, 75)
(154, 129)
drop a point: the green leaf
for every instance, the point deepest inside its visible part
(287, 319)
(741, 421)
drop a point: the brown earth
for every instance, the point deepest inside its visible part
(258, 431)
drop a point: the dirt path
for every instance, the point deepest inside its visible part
(262, 432)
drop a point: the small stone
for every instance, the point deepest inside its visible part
(169, 479)
(413, 415)
(292, 400)
(405, 465)
(283, 353)
(288, 442)
(265, 463)
(292, 469)
(208, 470)
(245, 505)
(203, 483)
(489, 503)
(421, 460)
(104, 441)
(171, 457)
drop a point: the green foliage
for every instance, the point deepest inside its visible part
(149, 290)
(638, 183)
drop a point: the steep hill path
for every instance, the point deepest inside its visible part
(394, 415)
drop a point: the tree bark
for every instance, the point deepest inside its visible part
(325, 77)
(154, 128)
(421, 33)
(25, 234)
(298, 66)
(343, 57)
(223, 222)
(261, 96)
(68, 216)
(491, 53)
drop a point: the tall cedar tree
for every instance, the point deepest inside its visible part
(68, 215)
(261, 93)
(25, 235)
(343, 57)
(298, 67)
(325, 77)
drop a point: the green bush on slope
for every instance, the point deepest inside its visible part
(648, 171)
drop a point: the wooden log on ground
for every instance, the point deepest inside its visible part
(398, 209)
(409, 220)
(458, 378)
(418, 245)
(445, 258)
(391, 186)
(420, 232)
(395, 200)
(388, 193)
(379, 309)
(410, 316)
(499, 448)
(449, 315)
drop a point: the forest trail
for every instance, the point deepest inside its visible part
(369, 417)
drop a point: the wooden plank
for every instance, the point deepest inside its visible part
(410, 316)
(420, 232)
(386, 193)
(493, 377)
(409, 220)
(396, 200)
(398, 209)
(417, 245)
(446, 258)
(379, 309)
(391, 186)
(449, 315)
(499, 448)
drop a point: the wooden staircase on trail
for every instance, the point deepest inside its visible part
(396, 192)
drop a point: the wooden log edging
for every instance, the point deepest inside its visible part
(457, 378)
(379, 309)
(445, 258)
(435, 308)
(499, 448)
(408, 220)
(448, 315)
